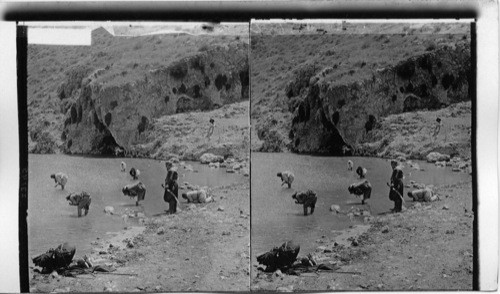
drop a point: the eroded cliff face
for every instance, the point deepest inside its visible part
(333, 118)
(109, 114)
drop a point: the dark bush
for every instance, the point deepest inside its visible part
(179, 70)
(220, 81)
(196, 90)
(167, 98)
(113, 104)
(447, 80)
(143, 125)
(107, 119)
(197, 63)
(406, 70)
(182, 89)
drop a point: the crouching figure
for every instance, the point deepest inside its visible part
(199, 196)
(307, 199)
(423, 195)
(286, 178)
(361, 188)
(81, 200)
(60, 179)
(135, 190)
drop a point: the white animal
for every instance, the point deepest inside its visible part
(123, 166)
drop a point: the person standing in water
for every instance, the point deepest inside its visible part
(397, 187)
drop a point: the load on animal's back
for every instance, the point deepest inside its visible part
(307, 199)
(135, 190)
(361, 188)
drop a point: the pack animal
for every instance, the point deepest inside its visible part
(81, 201)
(307, 199)
(136, 190)
(361, 188)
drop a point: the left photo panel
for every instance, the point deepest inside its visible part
(139, 157)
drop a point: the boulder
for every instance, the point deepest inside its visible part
(436, 156)
(285, 289)
(207, 158)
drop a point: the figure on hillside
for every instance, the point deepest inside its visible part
(171, 187)
(361, 188)
(211, 128)
(361, 171)
(423, 195)
(396, 186)
(81, 200)
(197, 196)
(350, 165)
(134, 172)
(59, 179)
(123, 166)
(136, 190)
(287, 177)
(437, 128)
(307, 199)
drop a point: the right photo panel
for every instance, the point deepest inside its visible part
(361, 162)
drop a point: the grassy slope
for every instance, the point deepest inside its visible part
(355, 54)
(230, 136)
(127, 57)
(410, 134)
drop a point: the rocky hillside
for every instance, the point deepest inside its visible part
(109, 96)
(325, 90)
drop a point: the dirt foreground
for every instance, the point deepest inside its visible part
(426, 247)
(204, 247)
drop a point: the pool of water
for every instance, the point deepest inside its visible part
(276, 218)
(51, 221)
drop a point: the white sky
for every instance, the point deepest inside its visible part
(79, 33)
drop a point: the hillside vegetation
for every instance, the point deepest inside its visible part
(315, 87)
(93, 100)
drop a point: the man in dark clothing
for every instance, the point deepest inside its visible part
(171, 188)
(396, 192)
